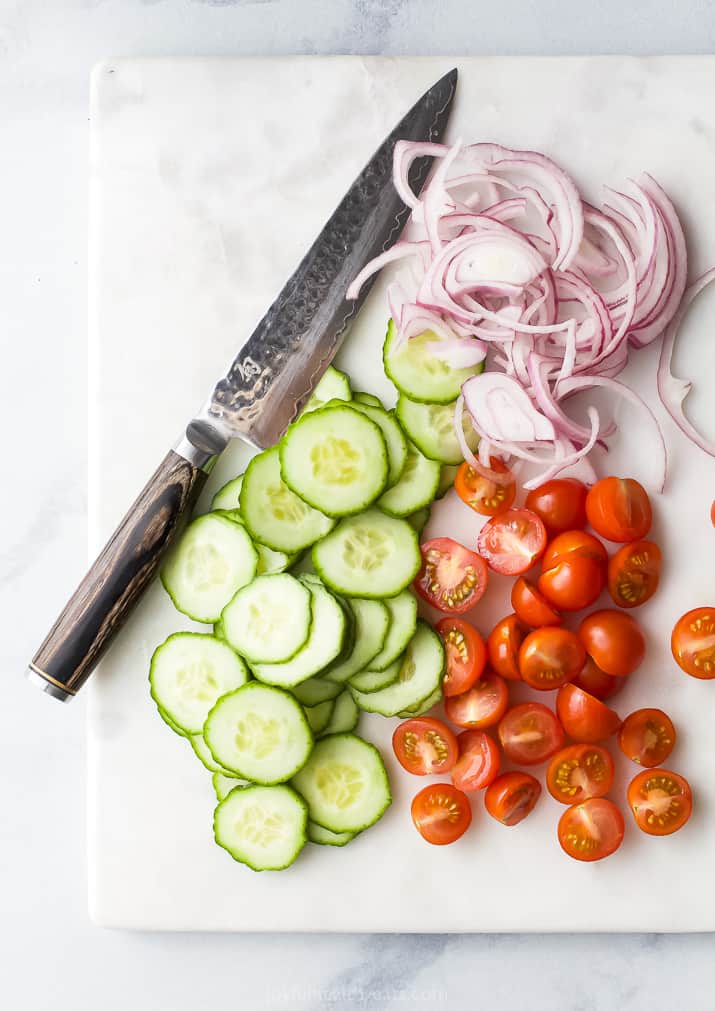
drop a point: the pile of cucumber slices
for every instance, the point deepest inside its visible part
(304, 568)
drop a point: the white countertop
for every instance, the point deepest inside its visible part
(51, 954)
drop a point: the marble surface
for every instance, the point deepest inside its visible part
(50, 955)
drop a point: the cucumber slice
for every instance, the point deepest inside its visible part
(420, 674)
(393, 435)
(212, 560)
(316, 690)
(189, 672)
(374, 680)
(344, 717)
(403, 622)
(335, 459)
(416, 488)
(269, 621)
(372, 620)
(324, 837)
(344, 783)
(272, 513)
(259, 733)
(370, 555)
(324, 644)
(268, 559)
(170, 723)
(262, 826)
(218, 631)
(227, 496)
(446, 480)
(318, 717)
(424, 707)
(418, 373)
(333, 385)
(367, 398)
(223, 784)
(419, 520)
(201, 750)
(431, 428)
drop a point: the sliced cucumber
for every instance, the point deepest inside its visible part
(403, 622)
(223, 784)
(227, 496)
(268, 559)
(368, 398)
(416, 488)
(324, 837)
(344, 717)
(374, 680)
(424, 707)
(420, 674)
(335, 459)
(259, 733)
(262, 826)
(372, 620)
(212, 560)
(269, 621)
(189, 672)
(170, 723)
(419, 520)
(418, 373)
(369, 555)
(393, 435)
(344, 783)
(333, 385)
(273, 514)
(318, 716)
(201, 750)
(431, 428)
(230, 514)
(218, 631)
(316, 690)
(324, 644)
(446, 480)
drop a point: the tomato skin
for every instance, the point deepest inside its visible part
(425, 746)
(572, 583)
(634, 573)
(512, 542)
(482, 706)
(579, 772)
(482, 495)
(550, 657)
(560, 503)
(441, 813)
(452, 577)
(619, 509)
(712, 514)
(661, 801)
(647, 737)
(614, 640)
(531, 606)
(478, 762)
(596, 682)
(693, 643)
(591, 830)
(503, 646)
(572, 543)
(584, 718)
(466, 655)
(512, 796)
(530, 734)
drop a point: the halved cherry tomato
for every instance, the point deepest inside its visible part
(578, 772)
(531, 606)
(619, 509)
(512, 796)
(441, 813)
(633, 573)
(478, 762)
(693, 643)
(647, 737)
(592, 829)
(530, 733)
(712, 514)
(425, 746)
(485, 496)
(572, 583)
(550, 657)
(572, 543)
(614, 640)
(596, 682)
(503, 647)
(483, 705)
(585, 718)
(560, 503)
(512, 542)
(452, 577)
(661, 801)
(466, 655)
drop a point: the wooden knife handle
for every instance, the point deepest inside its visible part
(108, 593)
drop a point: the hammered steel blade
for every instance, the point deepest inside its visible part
(278, 367)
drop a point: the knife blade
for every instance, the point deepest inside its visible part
(264, 389)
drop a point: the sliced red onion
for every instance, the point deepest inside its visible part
(503, 410)
(399, 251)
(458, 352)
(404, 155)
(568, 456)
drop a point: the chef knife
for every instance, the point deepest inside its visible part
(266, 386)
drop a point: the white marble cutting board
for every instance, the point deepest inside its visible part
(209, 180)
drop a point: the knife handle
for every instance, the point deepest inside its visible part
(109, 592)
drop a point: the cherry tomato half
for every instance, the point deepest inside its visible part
(633, 573)
(591, 830)
(619, 509)
(574, 543)
(452, 577)
(512, 796)
(478, 762)
(585, 718)
(647, 737)
(512, 542)
(550, 657)
(578, 772)
(424, 746)
(572, 583)
(465, 652)
(441, 813)
(485, 496)
(503, 647)
(596, 682)
(693, 643)
(712, 514)
(531, 606)
(483, 705)
(560, 503)
(614, 640)
(661, 801)
(530, 733)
